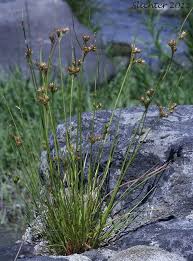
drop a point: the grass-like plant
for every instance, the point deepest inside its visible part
(75, 210)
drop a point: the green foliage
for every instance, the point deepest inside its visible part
(83, 9)
(77, 215)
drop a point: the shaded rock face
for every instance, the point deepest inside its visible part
(124, 22)
(44, 16)
(164, 218)
(146, 253)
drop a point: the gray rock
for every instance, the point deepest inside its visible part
(146, 253)
(169, 139)
(44, 16)
(100, 254)
(174, 235)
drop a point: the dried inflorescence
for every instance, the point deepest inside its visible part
(146, 100)
(86, 48)
(43, 67)
(182, 35)
(173, 45)
(61, 31)
(135, 51)
(52, 87)
(170, 110)
(42, 96)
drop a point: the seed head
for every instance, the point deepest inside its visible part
(85, 38)
(162, 113)
(61, 31)
(86, 49)
(135, 50)
(41, 90)
(97, 106)
(43, 99)
(73, 69)
(52, 87)
(173, 44)
(43, 67)
(93, 48)
(172, 107)
(182, 35)
(145, 101)
(79, 62)
(150, 92)
(139, 61)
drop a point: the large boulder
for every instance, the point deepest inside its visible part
(42, 17)
(146, 253)
(165, 215)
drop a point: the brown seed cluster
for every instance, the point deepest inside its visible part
(61, 31)
(173, 45)
(164, 113)
(42, 95)
(135, 51)
(146, 100)
(43, 99)
(87, 48)
(52, 87)
(43, 67)
(97, 105)
(182, 35)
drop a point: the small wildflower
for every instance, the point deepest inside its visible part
(182, 35)
(172, 44)
(18, 141)
(52, 87)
